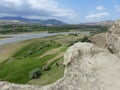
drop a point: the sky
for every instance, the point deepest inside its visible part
(69, 11)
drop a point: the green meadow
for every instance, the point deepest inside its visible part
(36, 53)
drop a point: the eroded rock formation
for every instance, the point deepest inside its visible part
(113, 38)
(87, 67)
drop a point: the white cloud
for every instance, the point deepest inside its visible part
(35, 8)
(117, 8)
(95, 16)
(100, 8)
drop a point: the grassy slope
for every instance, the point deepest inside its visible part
(50, 76)
(17, 67)
(8, 50)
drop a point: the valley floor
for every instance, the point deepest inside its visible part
(17, 60)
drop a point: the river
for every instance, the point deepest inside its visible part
(27, 36)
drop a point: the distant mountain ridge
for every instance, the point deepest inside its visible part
(102, 23)
(26, 20)
(49, 22)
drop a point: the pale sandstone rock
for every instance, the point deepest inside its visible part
(113, 38)
(99, 40)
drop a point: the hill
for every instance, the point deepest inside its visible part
(101, 23)
(27, 20)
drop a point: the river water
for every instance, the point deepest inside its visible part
(28, 36)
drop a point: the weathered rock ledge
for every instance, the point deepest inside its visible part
(113, 38)
(87, 67)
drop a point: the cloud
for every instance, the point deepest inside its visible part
(96, 16)
(44, 9)
(117, 8)
(100, 8)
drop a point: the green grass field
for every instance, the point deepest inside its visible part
(36, 54)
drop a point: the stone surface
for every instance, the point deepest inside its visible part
(99, 40)
(113, 38)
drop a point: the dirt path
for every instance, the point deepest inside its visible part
(52, 51)
(55, 58)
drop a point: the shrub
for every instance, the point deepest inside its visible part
(35, 73)
(85, 39)
(74, 34)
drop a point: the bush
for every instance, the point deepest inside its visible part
(85, 39)
(45, 68)
(35, 73)
(74, 34)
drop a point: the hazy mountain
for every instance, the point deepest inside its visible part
(53, 21)
(26, 20)
(11, 22)
(102, 23)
